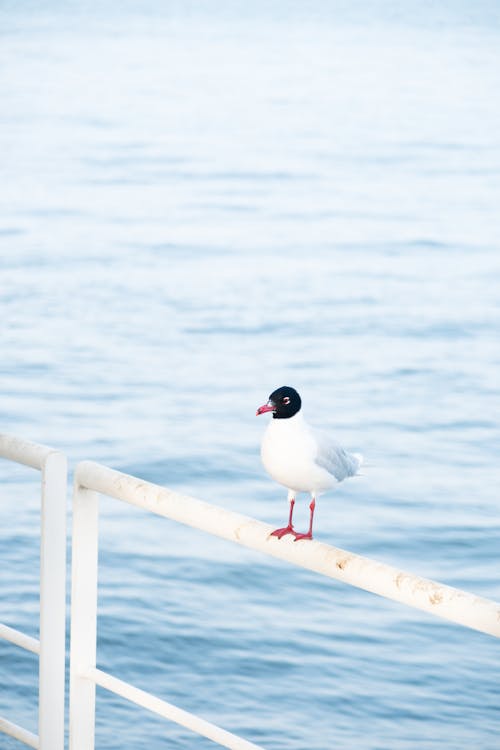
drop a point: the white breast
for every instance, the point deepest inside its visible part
(289, 449)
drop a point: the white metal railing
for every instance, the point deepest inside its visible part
(91, 478)
(51, 645)
(83, 673)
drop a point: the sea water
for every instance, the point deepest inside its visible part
(198, 205)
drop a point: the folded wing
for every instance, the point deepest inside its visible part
(336, 460)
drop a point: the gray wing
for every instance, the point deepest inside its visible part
(336, 460)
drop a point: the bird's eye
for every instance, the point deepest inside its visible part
(285, 400)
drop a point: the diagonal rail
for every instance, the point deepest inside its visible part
(20, 639)
(169, 711)
(13, 730)
(440, 600)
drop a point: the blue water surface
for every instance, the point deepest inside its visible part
(200, 204)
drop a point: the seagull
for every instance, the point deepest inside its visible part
(300, 458)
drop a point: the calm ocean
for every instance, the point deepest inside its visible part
(197, 205)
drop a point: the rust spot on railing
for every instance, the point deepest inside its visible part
(436, 598)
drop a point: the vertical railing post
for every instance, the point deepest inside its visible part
(83, 617)
(52, 603)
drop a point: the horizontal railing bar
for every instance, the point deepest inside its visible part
(169, 711)
(20, 639)
(23, 451)
(13, 730)
(438, 599)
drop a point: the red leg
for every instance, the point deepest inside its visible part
(309, 534)
(287, 529)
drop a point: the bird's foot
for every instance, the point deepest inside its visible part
(303, 536)
(282, 532)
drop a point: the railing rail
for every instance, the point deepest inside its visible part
(169, 711)
(51, 646)
(90, 479)
(20, 639)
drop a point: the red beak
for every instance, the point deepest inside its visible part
(267, 407)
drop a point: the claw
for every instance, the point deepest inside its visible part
(282, 532)
(303, 536)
